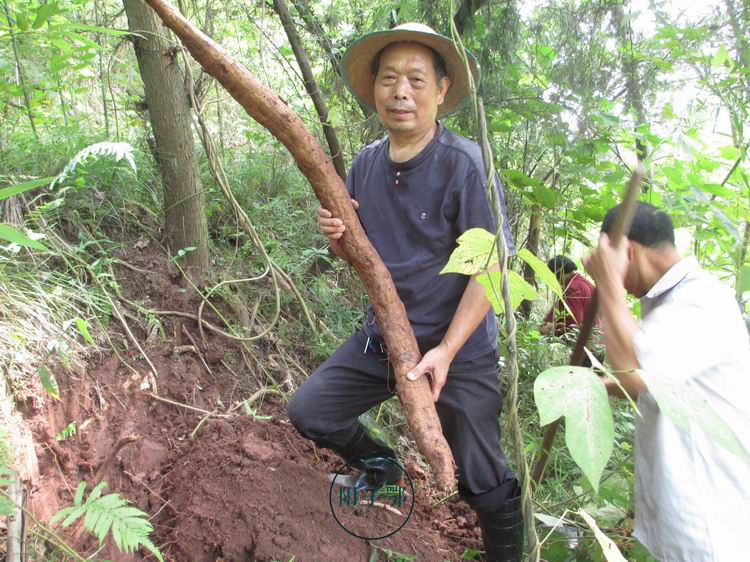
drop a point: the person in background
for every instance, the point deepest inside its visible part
(577, 293)
(692, 496)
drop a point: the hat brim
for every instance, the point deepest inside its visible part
(357, 61)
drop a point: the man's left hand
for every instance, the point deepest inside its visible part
(436, 363)
(607, 264)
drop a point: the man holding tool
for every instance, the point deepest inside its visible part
(692, 500)
(416, 191)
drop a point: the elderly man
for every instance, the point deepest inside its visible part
(692, 499)
(416, 191)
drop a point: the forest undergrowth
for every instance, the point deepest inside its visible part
(67, 310)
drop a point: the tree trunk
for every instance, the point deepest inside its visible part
(374, 129)
(465, 14)
(532, 244)
(311, 86)
(265, 107)
(169, 113)
(633, 84)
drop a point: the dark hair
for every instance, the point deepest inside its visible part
(650, 227)
(562, 265)
(438, 63)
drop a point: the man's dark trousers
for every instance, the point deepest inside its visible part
(326, 407)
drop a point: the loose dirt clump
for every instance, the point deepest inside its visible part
(225, 486)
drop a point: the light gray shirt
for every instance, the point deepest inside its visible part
(692, 496)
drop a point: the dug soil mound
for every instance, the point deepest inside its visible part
(219, 483)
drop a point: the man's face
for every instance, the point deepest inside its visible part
(407, 92)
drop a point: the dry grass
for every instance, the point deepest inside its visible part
(37, 327)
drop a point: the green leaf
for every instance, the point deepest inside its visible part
(117, 533)
(96, 492)
(579, 395)
(6, 507)
(743, 279)
(720, 57)
(614, 177)
(475, 247)
(520, 290)
(729, 152)
(151, 547)
(62, 44)
(684, 404)
(674, 176)
(471, 554)
(519, 179)
(129, 525)
(44, 12)
(543, 272)
(545, 196)
(48, 382)
(13, 235)
(79, 493)
(66, 432)
(102, 526)
(22, 22)
(21, 187)
(84, 329)
(609, 548)
(73, 515)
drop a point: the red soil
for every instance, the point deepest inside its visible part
(239, 489)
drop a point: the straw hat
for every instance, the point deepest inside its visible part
(358, 60)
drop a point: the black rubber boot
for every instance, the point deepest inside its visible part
(502, 530)
(374, 470)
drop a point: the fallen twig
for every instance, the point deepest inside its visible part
(180, 405)
(119, 445)
(196, 348)
(118, 314)
(381, 505)
(255, 396)
(204, 419)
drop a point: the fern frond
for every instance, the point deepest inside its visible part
(119, 150)
(129, 525)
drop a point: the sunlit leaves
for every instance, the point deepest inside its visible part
(542, 271)
(129, 526)
(474, 252)
(49, 384)
(15, 236)
(520, 289)
(609, 548)
(44, 13)
(24, 186)
(83, 327)
(743, 282)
